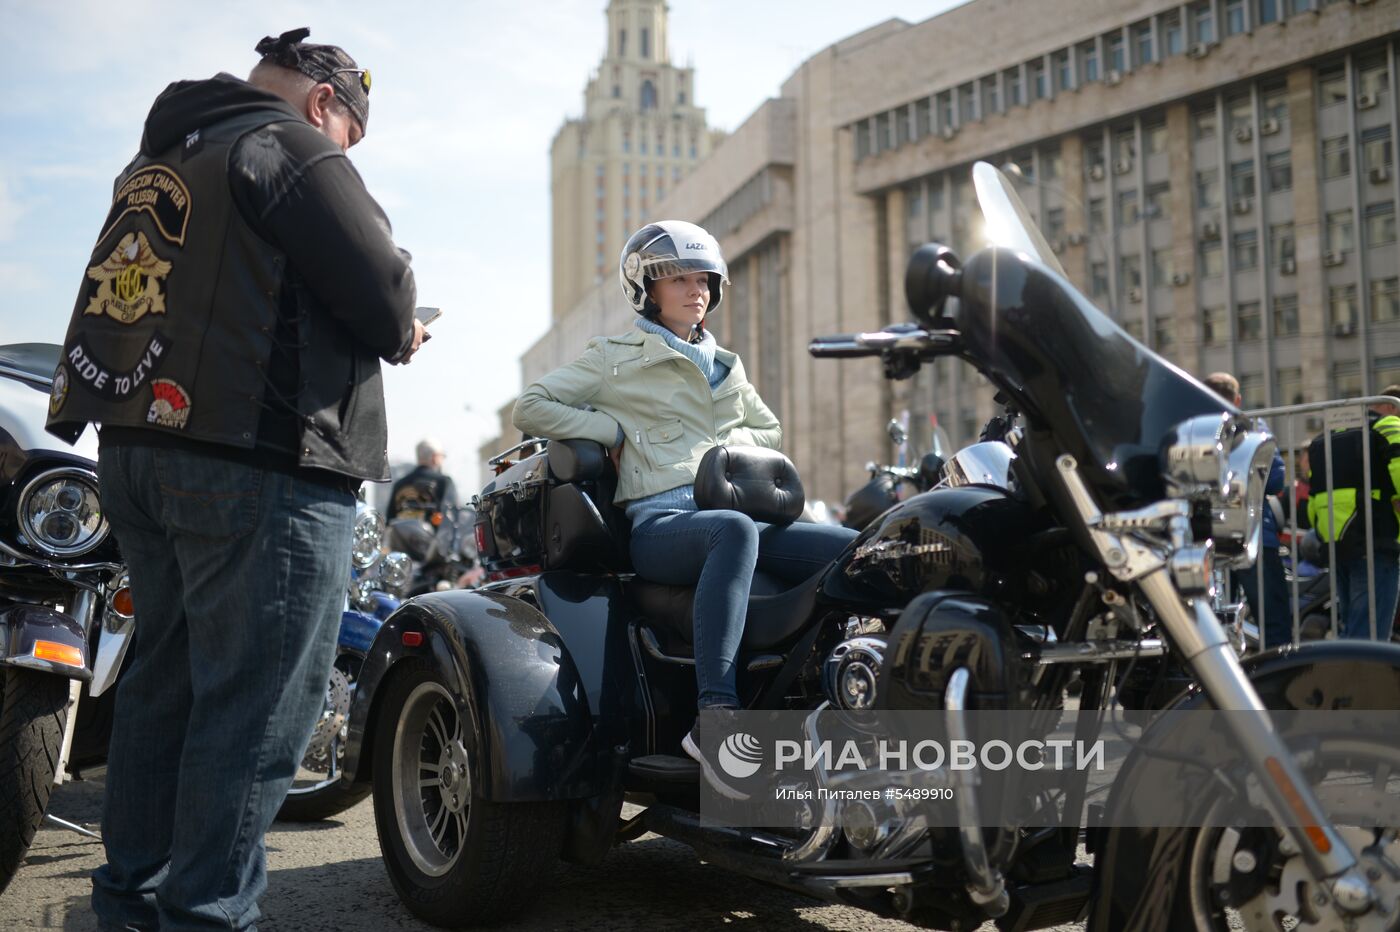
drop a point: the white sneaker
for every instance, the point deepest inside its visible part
(709, 768)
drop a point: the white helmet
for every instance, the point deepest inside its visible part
(665, 249)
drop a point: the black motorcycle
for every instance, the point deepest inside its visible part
(503, 728)
(891, 484)
(66, 614)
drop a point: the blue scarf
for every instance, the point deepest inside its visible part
(702, 353)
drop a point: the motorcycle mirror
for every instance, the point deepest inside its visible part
(930, 470)
(897, 432)
(934, 274)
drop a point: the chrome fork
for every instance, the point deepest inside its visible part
(1201, 638)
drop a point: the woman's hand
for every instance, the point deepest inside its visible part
(615, 454)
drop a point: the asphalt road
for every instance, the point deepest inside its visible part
(327, 877)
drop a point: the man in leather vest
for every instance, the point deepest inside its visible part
(227, 338)
(426, 489)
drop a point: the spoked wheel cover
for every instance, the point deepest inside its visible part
(431, 779)
(1292, 901)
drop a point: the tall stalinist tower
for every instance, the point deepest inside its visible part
(640, 133)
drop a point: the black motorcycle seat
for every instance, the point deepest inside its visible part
(775, 612)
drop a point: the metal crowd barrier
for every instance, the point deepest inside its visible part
(1295, 427)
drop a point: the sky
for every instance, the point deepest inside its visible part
(467, 96)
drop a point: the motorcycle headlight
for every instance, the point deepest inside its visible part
(395, 573)
(364, 545)
(1223, 461)
(59, 512)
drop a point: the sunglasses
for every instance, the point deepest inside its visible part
(362, 72)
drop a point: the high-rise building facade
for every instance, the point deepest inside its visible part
(639, 135)
(1219, 175)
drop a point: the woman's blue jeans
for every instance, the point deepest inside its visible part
(717, 551)
(239, 576)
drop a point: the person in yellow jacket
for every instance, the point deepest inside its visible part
(1335, 512)
(662, 395)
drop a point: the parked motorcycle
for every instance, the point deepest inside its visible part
(503, 728)
(66, 614)
(891, 484)
(378, 580)
(442, 548)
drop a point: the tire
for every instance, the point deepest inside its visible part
(33, 709)
(318, 792)
(476, 864)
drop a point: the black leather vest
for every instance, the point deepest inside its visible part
(174, 323)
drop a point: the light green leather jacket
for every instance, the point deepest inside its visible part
(669, 415)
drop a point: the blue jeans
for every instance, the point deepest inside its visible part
(239, 577)
(1353, 604)
(717, 551)
(1275, 616)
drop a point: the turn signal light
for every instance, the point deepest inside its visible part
(55, 652)
(122, 602)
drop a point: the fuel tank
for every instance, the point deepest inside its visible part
(970, 538)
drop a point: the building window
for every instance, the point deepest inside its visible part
(1093, 153)
(967, 100)
(642, 147)
(1154, 137)
(1346, 380)
(1162, 268)
(1064, 70)
(1055, 222)
(1234, 17)
(1040, 87)
(1372, 78)
(1098, 279)
(947, 112)
(991, 96)
(1127, 208)
(1296, 7)
(1290, 386)
(935, 194)
(1385, 300)
(1274, 102)
(1203, 123)
(1280, 244)
(1244, 248)
(1239, 113)
(1339, 231)
(1096, 215)
(648, 93)
(622, 43)
(1375, 148)
(1208, 188)
(1336, 157)
(1203, 22)
(1142, 43)
(1129, 272)
(1015, 89)
(1268, 11)
(1158, 205)
(646, 43)
(1341, 302)
(902, 130)
(1285, 315)
(1279, 167)
(1089, 61)
(1134, 328)
(1116, 53)
(1242, 180)
(1162, 332)
(1380, 224)
(1250, 322)
(1251, 387)
(923, 118)
(1051, 163)
(1215, 328)
(1332, 86)
(883, 140)
(1174, 41)
(862, 135)
(1212, 258)
(1124, 145)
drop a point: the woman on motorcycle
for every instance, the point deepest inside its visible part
(662, 395)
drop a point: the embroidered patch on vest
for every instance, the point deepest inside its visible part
(58, 394)
(171, 407)
(129, 281)
(116, 386)
(158, 191)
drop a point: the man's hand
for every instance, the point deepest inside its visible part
(420, 336)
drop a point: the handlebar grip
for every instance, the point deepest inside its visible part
(845, 346)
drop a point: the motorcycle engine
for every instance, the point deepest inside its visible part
(851, 672)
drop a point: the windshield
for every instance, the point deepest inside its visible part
(1008, 222)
